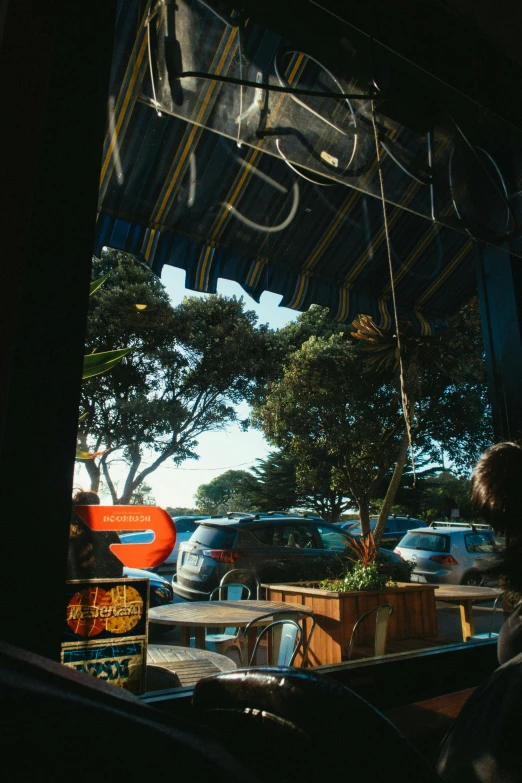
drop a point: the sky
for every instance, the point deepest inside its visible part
(218, 451)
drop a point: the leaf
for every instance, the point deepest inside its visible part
(98, 283)
(84, 455)
(96, 363)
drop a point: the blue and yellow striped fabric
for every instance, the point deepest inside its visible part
(176, 193)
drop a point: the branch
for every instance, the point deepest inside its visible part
(106, 476)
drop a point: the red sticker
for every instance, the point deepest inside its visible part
(83, 611)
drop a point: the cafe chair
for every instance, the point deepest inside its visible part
(229, 638)
(382, 616)
(285, 636)
(252, 578)
(290, 724)
(480, 637)
(288, 634)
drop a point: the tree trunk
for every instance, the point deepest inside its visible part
(94, 473)
(392, 488)
(364, 514)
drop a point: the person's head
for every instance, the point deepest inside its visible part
(86, 498)
(496, 487)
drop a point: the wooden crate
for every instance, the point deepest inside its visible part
(414, 616)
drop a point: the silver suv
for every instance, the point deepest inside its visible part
(450, 552)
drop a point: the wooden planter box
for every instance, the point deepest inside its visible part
(414, 616)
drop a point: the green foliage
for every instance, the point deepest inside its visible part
(142, 496)
(214, 497)
(333, 419)
(359, 578)
(182, 511)
(96, 363)
(189, 368)
(400, 571)
(435, 496)
(344, 426)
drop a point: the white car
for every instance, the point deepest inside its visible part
(450, 552)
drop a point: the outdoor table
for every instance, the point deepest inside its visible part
(190, 665)
(464, 595)
(194, 616)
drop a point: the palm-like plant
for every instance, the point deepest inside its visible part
(407, 357)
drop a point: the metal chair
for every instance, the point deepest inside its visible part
(229, 637)
(251, 575)
(382, 616)
(479, 637)
(286, 636)
(290, 635)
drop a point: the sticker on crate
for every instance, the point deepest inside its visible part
(105, 630)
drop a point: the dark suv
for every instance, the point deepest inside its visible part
(395, 529)
(275, 548)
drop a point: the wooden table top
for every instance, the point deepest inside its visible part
(466, 593)
(189, 664)
(219, 614)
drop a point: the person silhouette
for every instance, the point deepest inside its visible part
(89, 555)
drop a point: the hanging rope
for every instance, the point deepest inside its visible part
(404, 397)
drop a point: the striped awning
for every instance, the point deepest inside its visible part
(275, 193)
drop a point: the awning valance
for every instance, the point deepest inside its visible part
(280, 192)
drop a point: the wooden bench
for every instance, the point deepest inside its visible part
(426, 722)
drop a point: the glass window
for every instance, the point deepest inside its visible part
(430, 542)
(357, 528)
(406, 524)
(265, 535)
(185, 525)
(480, 542)
(213, 537)
(332, 539)
(300, 536)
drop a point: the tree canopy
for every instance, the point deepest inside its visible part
(188, 369)
(223, 493)
(330, 409)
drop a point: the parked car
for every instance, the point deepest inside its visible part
(450, 553)
(275, 548)
(394, 531)
(160, 588)
(185, 526)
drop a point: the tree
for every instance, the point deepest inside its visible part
(188, 369)
(443, 390)
(214, 497)
(142, 496)
(330, 410)
(332, 418)
(435, 496)
(182, 511)
(281, 483)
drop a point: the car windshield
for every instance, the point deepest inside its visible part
(213, 537)
(480, 543)
(185, 525)
(431, 542)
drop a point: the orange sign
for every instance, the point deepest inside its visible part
(134, 518)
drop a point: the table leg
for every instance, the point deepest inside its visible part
(199, 635)
(185, 636)
(250, 642)
(466, 619)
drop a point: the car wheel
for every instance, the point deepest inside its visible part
(473, 579)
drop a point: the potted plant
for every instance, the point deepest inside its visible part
(337, 604)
